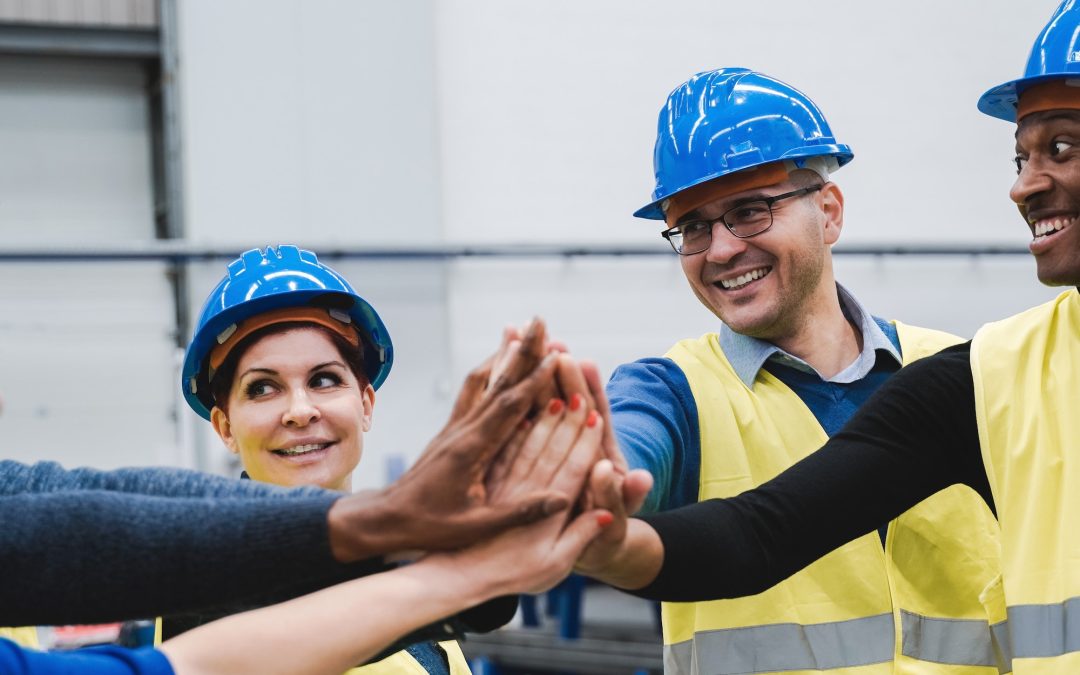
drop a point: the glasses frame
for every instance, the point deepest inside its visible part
(768, 201)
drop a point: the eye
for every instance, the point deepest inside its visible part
(1058, 147)
(694, 227)
(748, 211)
(324, 380)
(1020, 162)
(259, 389)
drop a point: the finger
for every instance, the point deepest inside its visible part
(571, 476)
(511, 341)
(524, 359)
(571, 379)
(581, 531)
(561, 444)
(636, 486)
(497, 418)
(481, 522)
(523, 475)
(600, 401)
(500, 467)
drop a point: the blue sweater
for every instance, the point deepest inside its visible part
(111, 545)
(15, 660)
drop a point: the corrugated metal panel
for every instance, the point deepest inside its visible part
(110, 13)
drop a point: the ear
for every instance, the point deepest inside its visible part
(368, 396)
(832, 205)
(220, 421)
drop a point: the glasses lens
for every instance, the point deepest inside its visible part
(746, 220)
(696, 236)
(675, 238)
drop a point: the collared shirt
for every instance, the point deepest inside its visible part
(748, 354)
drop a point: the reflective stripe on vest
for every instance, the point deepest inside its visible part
(1039, 631)
(951, 641)
(789, 646)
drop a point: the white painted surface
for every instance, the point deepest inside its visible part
(341, 123)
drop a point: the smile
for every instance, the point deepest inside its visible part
(1048, 226)
(744, 279)
(298, 450)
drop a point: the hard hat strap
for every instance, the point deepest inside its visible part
(1063, 94)
(337, 321)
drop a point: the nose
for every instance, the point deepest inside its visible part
(724, 246)
(1032, 180)
(301, 410)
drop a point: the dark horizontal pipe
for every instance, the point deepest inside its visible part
(183, 253)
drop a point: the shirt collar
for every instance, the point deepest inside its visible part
(748, 355)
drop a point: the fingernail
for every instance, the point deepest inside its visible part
(590, 421)
(575, 401)
(604, 519)
(556, 406)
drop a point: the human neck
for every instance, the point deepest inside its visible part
(823, 337)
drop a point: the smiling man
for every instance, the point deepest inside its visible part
(743, 165)
(998, 414)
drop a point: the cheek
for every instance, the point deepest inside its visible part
(252, 428)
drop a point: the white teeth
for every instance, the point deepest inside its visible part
(301, 449)
(1048, 225)
(744, 279)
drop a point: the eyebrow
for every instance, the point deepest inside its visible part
(1064, 115)
(696, 213)
(271, 371)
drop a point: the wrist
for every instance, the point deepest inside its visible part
(359, 527)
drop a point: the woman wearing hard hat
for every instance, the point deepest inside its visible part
(284, 364)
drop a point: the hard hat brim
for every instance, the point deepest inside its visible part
(1001, 101)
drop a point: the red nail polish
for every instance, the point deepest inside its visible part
(575, 401)
(556, 406)
(590, 421)
(604, 519)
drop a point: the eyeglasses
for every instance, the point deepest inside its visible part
(744, 221)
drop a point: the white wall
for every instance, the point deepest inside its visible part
(348, 123)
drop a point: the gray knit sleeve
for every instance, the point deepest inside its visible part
(92, 555)
(18, 478)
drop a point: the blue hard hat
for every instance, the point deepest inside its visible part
(262, 281)
(1055, 55)
(722, 121)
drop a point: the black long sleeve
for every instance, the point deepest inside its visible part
(914, 437)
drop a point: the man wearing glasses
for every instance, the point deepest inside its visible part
(742, 166)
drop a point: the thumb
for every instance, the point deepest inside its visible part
(636, 486)
(488, 520)
(580, 533)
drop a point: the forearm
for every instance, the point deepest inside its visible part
(331, 630)
(41, 477)
(635, 564)
(102, 556)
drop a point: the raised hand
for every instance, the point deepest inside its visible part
(443, 501)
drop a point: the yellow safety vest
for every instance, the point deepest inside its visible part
(398, 662)
(24, 636)
(1027, 403)
(912, 607)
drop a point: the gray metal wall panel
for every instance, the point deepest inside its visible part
(111, 13)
